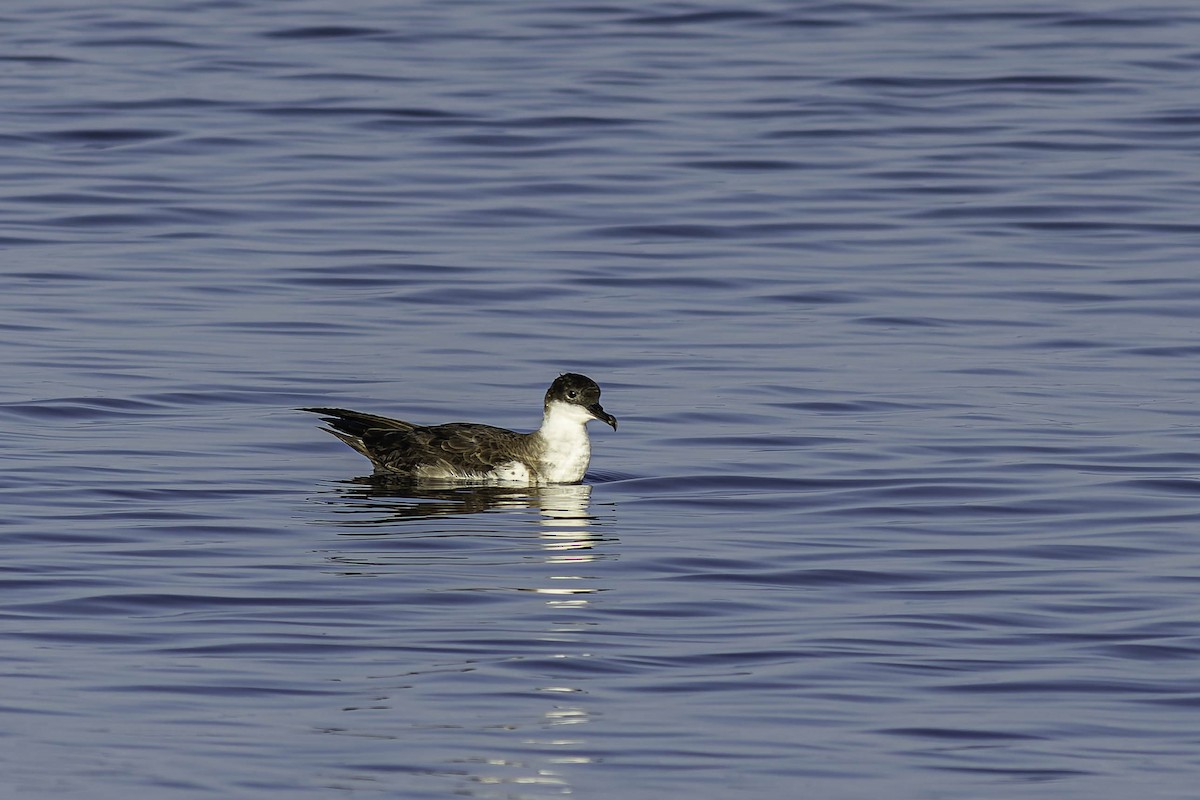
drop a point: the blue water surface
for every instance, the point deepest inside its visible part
(896, 303)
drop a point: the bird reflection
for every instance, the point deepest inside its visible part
(436, 516)
(379, 502)
(542, 543)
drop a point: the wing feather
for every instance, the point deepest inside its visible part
(452, 449)
(397, 447)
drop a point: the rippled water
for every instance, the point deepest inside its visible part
(896, 304)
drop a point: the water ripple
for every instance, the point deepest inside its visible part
(895, 305)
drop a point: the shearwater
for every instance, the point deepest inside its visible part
(557, 452)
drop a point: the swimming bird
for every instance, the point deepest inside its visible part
(557, 452)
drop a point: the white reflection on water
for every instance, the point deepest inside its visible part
(551, 538)
(568, 540)
(568, 535)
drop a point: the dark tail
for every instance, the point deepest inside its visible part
(350, 426)
(356, 423)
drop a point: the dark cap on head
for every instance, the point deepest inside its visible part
(580, 390)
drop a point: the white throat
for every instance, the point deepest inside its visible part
(566, 449)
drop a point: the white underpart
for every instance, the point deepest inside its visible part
(565, 439)
(513, 471)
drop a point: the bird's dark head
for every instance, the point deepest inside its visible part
(574, 389)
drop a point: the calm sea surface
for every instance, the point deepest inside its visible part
(898, 305)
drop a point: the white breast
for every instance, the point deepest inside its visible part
(565, 464)
(566, 448)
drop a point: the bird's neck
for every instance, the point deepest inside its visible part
(565, 448)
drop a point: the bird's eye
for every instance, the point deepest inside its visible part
(571, 395)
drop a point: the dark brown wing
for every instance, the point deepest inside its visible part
(457, 447)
